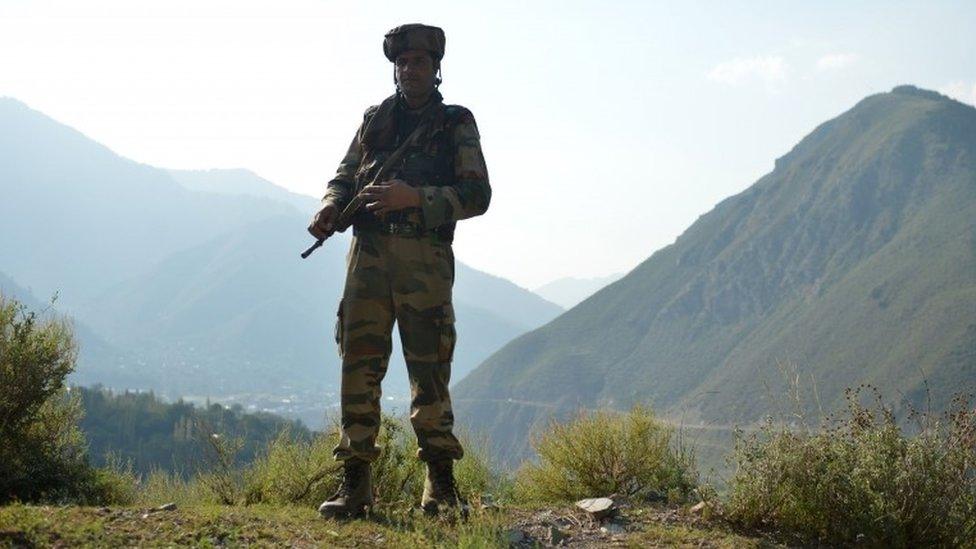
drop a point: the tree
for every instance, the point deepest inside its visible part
(42, 455)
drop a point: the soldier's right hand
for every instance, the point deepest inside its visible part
(323, 224)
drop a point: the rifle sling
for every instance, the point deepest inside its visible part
(357, 201)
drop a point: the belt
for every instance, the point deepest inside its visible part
(399, 229)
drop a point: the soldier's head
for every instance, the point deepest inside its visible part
(416, 51)
(415, 73)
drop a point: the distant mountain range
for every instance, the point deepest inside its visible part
(569, 291)
(98, 358)
(240, 182)
(189, 282)
(854, 260)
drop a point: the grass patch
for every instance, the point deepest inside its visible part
(216, 525)
(290, 525)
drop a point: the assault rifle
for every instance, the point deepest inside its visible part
(345, 218)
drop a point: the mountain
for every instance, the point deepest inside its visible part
(494, 294)
(190, 283)
(77, 218)
(224, 316)
(854, 259)
(96, 357)
(243, 183)
(569, 291)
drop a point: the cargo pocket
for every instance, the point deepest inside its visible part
(448, 335)
(339, 329)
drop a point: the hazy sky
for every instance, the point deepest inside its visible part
(608, 127)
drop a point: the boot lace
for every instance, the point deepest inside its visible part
(351, 474)
(444, 479)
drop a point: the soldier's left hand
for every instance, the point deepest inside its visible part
(390, 196)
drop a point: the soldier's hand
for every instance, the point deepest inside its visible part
(323, 224)
(390, 196)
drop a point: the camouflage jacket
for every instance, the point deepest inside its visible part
(446, 164)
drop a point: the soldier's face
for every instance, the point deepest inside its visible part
(415, 72)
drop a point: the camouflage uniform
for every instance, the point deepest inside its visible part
(401, 268)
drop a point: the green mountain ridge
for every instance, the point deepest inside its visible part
(854, 259)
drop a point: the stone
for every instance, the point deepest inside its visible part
(562, 523)
(167, 507)
(612, 528)
(598, 508)
(556, 536)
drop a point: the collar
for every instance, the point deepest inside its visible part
(380, 131)
(401, 102)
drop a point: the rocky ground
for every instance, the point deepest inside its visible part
(220, 526)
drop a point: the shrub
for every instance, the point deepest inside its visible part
(220, 474)
(398, 476)
(474, 472)
(861, 478)
(293, 471)
(115, 483)
(603, 453)
(397, 473)
(42, 455)
(302, 471)
(160, 486)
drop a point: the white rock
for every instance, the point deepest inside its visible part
(597, 507)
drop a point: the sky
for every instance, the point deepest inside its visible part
(608, 127)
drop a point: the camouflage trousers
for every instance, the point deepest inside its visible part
(408, 280)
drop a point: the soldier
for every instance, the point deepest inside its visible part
(400, 265)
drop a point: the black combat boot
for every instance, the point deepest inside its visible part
(354, 494)
(440, 490)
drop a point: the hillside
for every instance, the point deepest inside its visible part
(77, 218)
(96, 357)
(221, 317)
(854, 259)
(190, 283)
